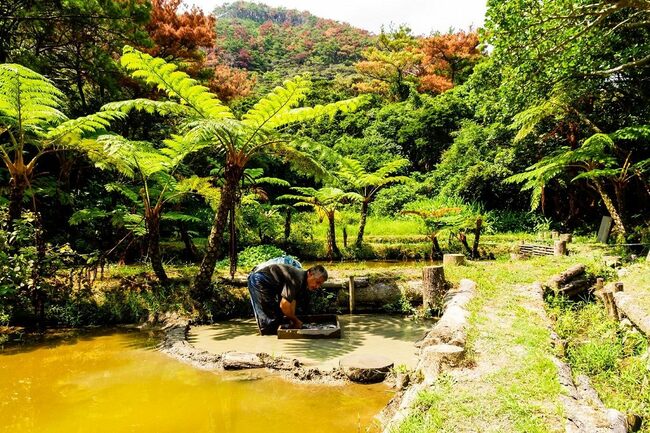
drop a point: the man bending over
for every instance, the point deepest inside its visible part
(274, 290)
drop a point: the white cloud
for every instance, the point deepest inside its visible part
(422, 16)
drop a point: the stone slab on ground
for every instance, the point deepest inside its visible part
(366, 368)
(628, 305)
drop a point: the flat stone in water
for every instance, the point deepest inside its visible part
(366, 368)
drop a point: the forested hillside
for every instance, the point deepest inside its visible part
(142, 131)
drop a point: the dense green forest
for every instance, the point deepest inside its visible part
(136, 131)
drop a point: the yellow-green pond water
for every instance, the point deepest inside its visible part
(117, 382)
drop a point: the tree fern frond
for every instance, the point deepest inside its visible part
(164, 108)
(125, 191)
(180, 217)
(28, 98)
(178, 85)
(201, 186)
(279, 101)
(305, 114)
(640, 132)
(82, 126)
(86, 215)
(272, 181)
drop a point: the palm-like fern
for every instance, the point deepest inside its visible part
(258, 132)
(326, 201)
(369, 184)
(153, 169)
(595, 162)
(31, 119)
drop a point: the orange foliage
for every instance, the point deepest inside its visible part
(444, 57)
(179, 35)
(230, 83)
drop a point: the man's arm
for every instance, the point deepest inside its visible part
(289, 310)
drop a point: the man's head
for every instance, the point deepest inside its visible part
(316, 276)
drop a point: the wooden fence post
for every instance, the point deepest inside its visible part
(352, 295)
(559, 248)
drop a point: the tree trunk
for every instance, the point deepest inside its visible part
(345, 236)
(618, 221)
(287, 226)
(232, 176)
(153, 229)
(434, 287)
(362, 223)
(477, 237)
(436, 251)
(191, 253)
(462, 237)
(332, 249)
(38, 294)
(16, 196)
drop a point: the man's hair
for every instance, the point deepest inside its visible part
(318, 272)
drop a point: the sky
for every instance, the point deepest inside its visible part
(422, 16)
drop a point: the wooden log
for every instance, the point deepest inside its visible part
(559, 248)
(613, 310)
(366, 368)
(574, 287)
(434, 287)
(573, 272)
(618, 287)
(453, 260)
(351, 294)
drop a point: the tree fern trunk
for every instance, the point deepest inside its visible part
(332, 249)
(436, 251)
(153, 229)
(477, 237)
(287, 226)
(191, 253)
(609, 204)
(232, 176)
(362, 224)
(462, 237)
(16, 195)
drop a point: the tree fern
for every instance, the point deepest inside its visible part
(177, 84)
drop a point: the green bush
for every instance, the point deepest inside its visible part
(252, 256)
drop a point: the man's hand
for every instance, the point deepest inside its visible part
(289, 310)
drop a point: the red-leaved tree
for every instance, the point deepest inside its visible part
(447, 60)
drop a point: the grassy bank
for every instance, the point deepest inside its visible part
(513, 387)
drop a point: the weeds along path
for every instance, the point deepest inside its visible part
(511, 384)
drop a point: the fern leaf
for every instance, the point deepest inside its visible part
(178, 85)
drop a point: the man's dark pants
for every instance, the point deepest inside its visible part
(266, 303)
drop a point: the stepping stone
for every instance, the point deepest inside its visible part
(453, 259)
(366, 368)
(241, 360)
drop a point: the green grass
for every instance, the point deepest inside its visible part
(521, 392)
(615, 358)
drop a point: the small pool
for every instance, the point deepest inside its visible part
(369, 334)
(115, 381)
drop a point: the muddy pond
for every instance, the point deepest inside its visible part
(116, 381)
(362, 334)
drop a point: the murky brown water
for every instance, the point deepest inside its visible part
(117, 382)
(361, 334)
